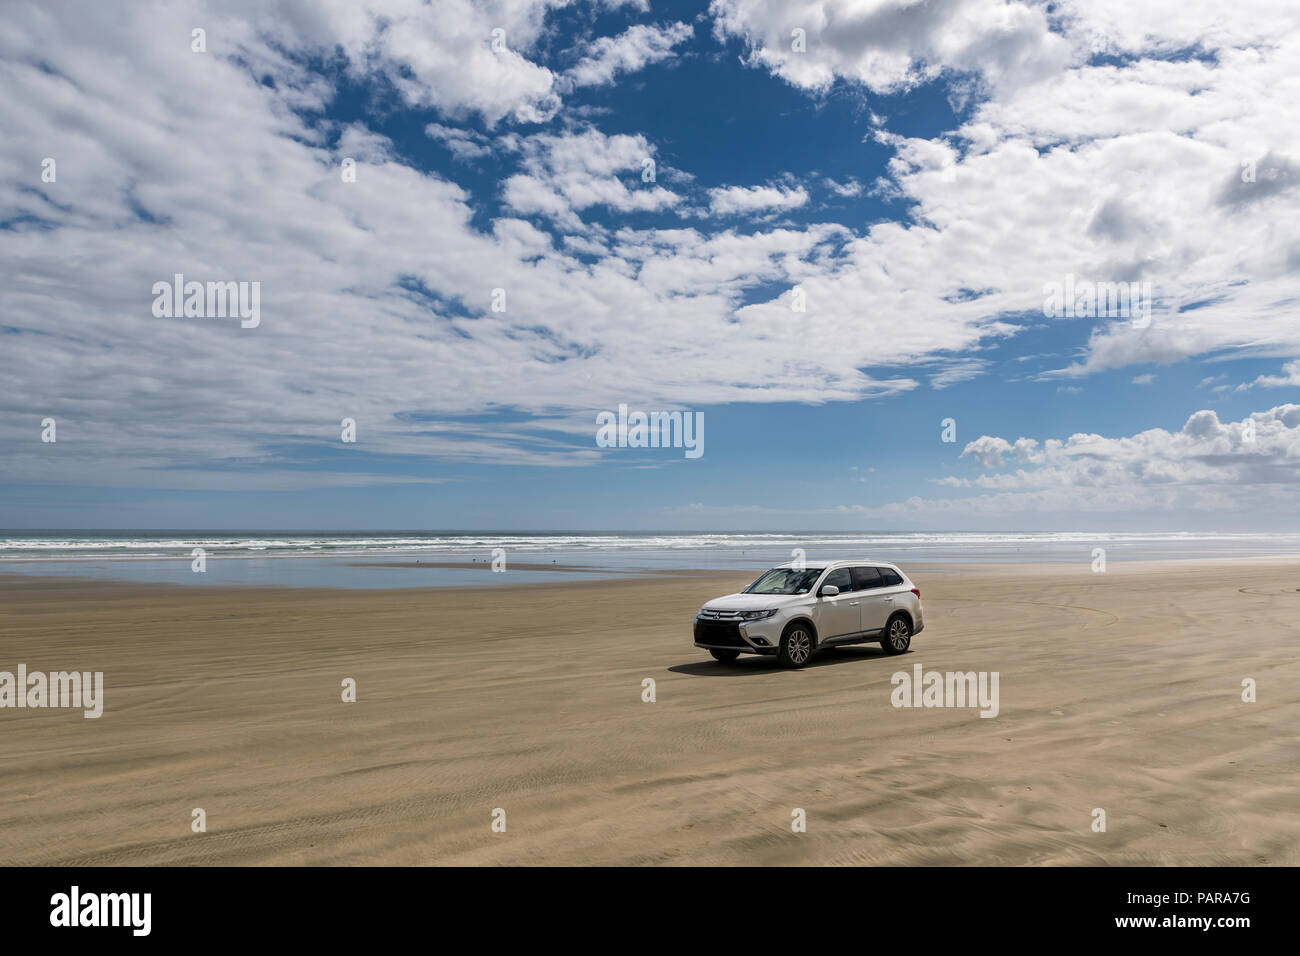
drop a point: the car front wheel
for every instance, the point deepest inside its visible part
(898, 635)
(796, 646)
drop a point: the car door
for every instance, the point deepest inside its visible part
(873, 598)
(842, 613)
(884, 600)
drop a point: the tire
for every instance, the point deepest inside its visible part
(898, 635)
(796, 646)
(725, 657)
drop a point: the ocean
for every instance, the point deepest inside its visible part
(371, 559)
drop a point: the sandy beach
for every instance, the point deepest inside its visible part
(1120, 691)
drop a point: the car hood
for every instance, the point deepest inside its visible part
(755, 602)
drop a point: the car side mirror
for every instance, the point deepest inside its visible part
(829, 590)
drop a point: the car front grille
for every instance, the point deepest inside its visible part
(711, 614)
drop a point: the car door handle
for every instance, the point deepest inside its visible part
(889, 600)
(853, 604)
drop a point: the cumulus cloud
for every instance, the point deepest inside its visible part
(637, 47)
(464, 144)
(1127, 167)
(377, 294)
(449, 58)
(892, 44)
(1202, 466)
(1290, 377)
(989, 450)
(567, 173)
(845, 190)
(745, 200)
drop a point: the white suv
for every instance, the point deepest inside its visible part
(793, 611)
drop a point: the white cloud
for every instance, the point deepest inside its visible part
(630, 51)
(464, 144)
(1207, 465)
(744, 200)
(1070, 165)
(891, 44)
(565, 174)
(957, 372)
(989, 451)
(376, 293)
(845, 190)
(435, 56)
(1290, 377)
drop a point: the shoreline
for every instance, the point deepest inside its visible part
(614, 575)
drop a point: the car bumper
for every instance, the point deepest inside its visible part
(748, 637)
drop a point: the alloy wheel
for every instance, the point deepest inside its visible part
(799, 646)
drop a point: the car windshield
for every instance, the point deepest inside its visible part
(785, 581)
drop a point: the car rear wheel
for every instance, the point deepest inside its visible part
(898, 635)
(725, 657)
(796, 646)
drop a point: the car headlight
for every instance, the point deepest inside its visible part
(757, 615)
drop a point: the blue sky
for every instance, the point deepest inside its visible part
(921, 173)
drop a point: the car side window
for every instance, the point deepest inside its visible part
(864, 579)
(840, 578)
(890, 578)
